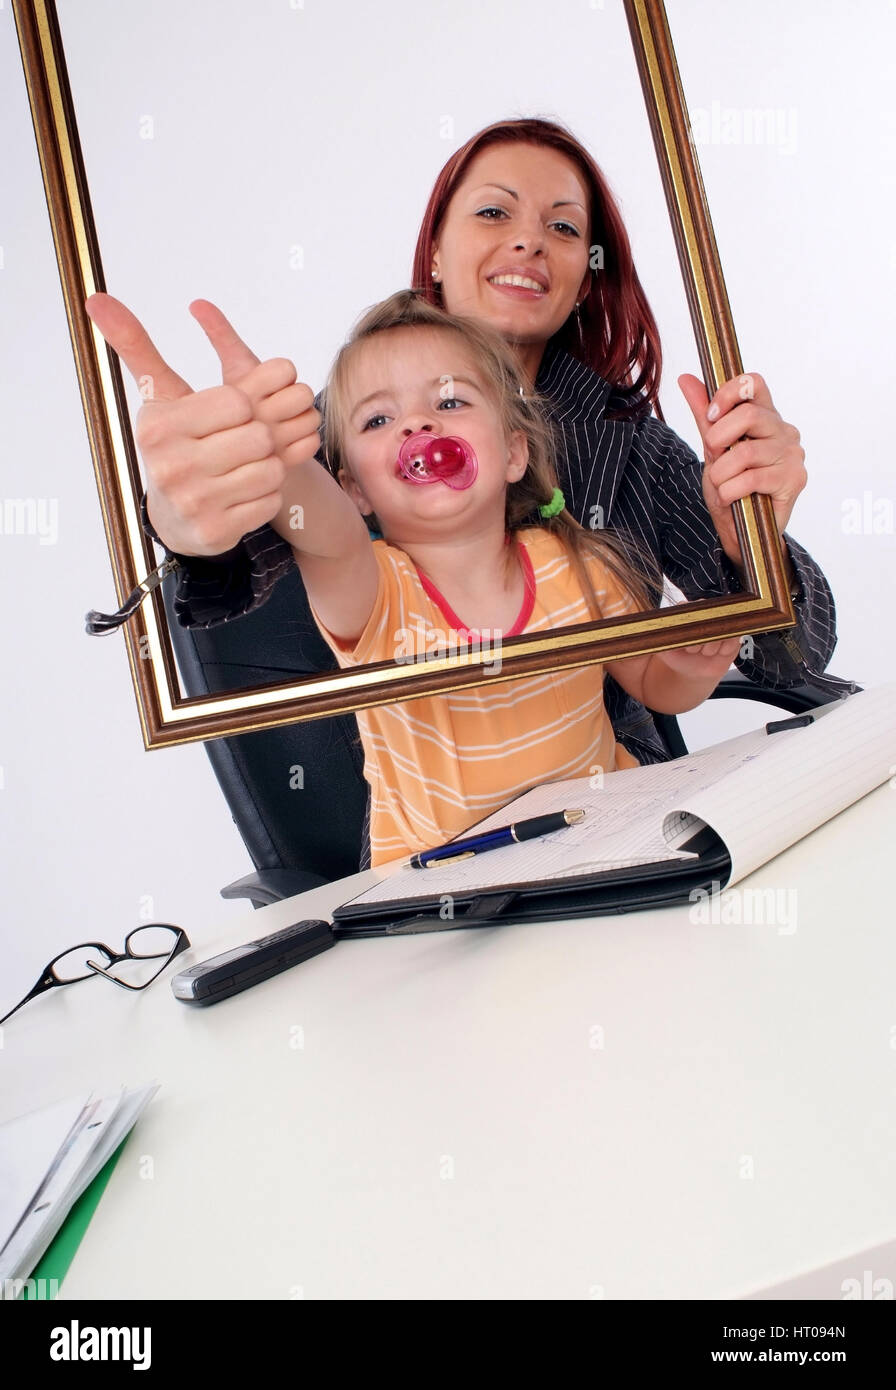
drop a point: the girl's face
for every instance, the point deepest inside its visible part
(407, 380)
(520, 210)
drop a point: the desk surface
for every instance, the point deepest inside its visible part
(638, 1106)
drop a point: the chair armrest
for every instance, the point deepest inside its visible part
(735, 686)
(796, 700)
(273, 885)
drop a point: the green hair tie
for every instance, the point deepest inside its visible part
(556, 504)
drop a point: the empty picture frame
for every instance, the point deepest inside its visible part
(167, 716)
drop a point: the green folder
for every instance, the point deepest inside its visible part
(57, 1257)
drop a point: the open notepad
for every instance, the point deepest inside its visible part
(653, 834)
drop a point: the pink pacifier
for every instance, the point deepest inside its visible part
(433, 458)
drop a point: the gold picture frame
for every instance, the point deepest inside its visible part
(166, 716)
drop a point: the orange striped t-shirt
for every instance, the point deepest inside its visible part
(438, 764)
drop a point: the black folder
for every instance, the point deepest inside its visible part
(662, 884)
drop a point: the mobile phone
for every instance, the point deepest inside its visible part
(232, 971)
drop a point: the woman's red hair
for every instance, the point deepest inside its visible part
(619, 336)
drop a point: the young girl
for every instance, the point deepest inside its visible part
(487, 550)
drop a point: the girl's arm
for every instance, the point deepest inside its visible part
(332, 549)
(678, 680)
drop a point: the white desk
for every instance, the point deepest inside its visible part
(448, 1130)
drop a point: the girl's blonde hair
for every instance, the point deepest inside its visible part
(636, 571)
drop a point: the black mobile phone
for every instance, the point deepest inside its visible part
(221, 976)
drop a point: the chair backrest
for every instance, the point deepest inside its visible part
(297, 794)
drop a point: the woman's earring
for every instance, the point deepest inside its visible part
(579, 322)
(435, 276)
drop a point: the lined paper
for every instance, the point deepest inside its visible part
(803, 778)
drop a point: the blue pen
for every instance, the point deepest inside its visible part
(494, 839)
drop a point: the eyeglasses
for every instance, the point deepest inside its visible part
(153, 942)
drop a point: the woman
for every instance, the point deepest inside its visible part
(522, 232)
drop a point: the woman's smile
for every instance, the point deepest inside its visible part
(520, 281)
(519, 287)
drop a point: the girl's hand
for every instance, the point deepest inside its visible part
(678, 680)
(769, 459)
(706, 662)
(216, 460)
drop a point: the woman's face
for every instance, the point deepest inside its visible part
(519, 211)
(423, 379)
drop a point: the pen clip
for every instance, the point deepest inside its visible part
(449, 859)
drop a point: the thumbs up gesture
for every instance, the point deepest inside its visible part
(216, 460)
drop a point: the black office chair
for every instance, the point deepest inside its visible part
(296, 793)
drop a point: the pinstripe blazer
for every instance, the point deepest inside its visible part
(646, 483)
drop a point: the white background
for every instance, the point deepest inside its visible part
(324, 126)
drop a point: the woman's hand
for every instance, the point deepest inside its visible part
(216, 460)
(768, 459)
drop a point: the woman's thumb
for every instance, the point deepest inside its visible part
(694, 392)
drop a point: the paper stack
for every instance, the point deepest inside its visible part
(47, 1159)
